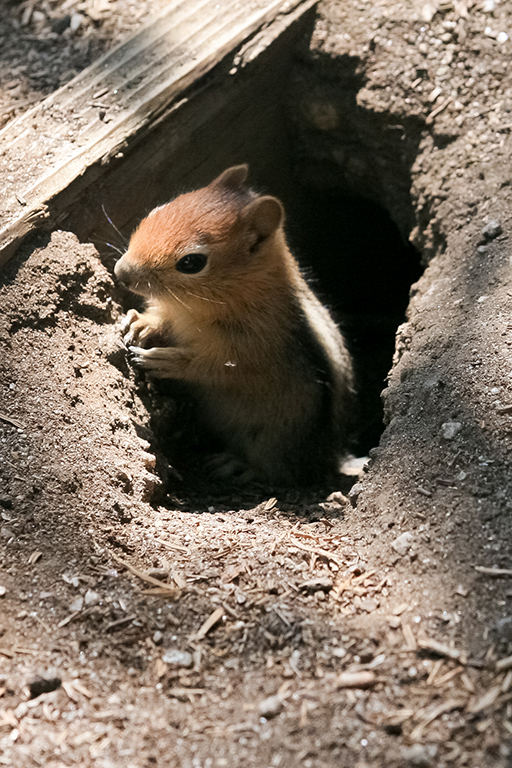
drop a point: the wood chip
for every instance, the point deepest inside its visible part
(363, 679)
(484, 701)
(363, 576)
(394, 719)
(209, 623)
(34, 557)
(506, 685)
(434, 94)
(428, 644)
(179, 580)
(410, 640)
(429, 717)
(225, 551)
(448, 676)
(28, 651)
(77, 685)
(184, 694)
(467, 683)
(402, 608)
(317, 551)
(493, 571)
(503, 664)
(144, 576)
(436, 668)
(172, 546)
(68, 619)
(88, 737)
(232, 572)
(70, 691)
(437, 111)
(13, 422)
(119, 622)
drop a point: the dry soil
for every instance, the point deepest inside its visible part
(149, 617)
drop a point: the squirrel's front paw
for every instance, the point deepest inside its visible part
(136, 330)
(162, 362)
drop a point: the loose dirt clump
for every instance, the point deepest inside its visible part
(152, 620)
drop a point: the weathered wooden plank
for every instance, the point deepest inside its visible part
(92, 119)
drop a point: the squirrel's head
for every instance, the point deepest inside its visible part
(203, 242)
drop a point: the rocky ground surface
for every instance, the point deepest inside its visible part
(152, 620)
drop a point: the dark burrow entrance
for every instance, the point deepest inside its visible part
(361, 267)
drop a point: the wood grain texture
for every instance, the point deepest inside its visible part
(73, 135)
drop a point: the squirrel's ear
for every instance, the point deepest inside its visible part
(232, 178)
(264, 215)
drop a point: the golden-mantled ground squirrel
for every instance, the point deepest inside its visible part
(229, 313)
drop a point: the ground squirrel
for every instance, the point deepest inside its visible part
(229, 312)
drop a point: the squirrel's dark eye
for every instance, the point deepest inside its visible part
(192, 263)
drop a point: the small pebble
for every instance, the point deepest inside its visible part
(176, 658)
(504, 628)
(271, 707)
(502, 37)
(492, 230)
(403, 543)
(354, 492)
(337, 497)
(75, 22)
(369, 605)
(482, 250)
(3, 590)
(77, 604)
(428, 12)
(158, 637)
(450, 429)
(91, 597)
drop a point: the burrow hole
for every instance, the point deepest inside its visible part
(363, 270)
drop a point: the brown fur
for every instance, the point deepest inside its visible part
(261, 353)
